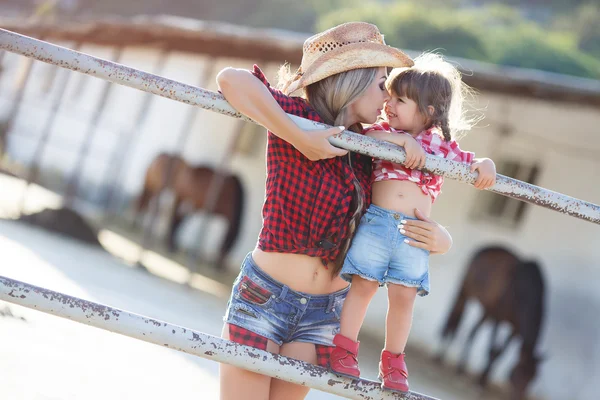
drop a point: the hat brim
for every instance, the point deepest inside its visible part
(349, 57)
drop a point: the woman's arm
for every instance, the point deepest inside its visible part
(427, 234)
(250, 96)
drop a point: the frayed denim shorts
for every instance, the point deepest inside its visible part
(268, 308)
(378, 252)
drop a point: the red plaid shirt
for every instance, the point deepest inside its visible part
(432, 142)
(307, 205)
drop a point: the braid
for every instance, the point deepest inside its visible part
(445, 128)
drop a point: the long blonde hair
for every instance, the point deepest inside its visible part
(331, 99)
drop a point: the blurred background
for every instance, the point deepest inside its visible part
(85, 209)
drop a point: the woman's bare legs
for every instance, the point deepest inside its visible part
(399, 317)
(355, 306)
(237, 383)
(282, 390)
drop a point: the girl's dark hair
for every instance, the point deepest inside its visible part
(437, 83)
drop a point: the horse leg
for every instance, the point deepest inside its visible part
(175, 221)
(460, 369)
(232, 232)
(494, 354)
(234, 217)
(141, 204)
(451, 325)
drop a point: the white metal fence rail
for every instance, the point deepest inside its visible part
(192, 342)
(213, 101)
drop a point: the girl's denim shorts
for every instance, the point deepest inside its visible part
(378, 252)
(268, 308)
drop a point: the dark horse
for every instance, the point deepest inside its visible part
(189, 186)
(509, 290)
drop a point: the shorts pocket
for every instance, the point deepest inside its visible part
(253, 293)
(368, 218)
(337, 308)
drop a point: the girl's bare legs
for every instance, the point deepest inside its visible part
(282, 390)
(399, 317)
(355, 306)
(237, 383)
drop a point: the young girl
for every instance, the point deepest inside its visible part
(424, 111)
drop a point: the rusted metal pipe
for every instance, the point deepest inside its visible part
(189, 94)
(193, 342)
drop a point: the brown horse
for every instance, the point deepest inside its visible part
(189, 186)
(509, 290)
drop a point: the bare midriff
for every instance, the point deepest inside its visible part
(401, 196)
(300, 272)
(307, 274)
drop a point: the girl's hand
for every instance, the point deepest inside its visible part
(315, 146)
(427, 234)
(415, 155)
(487, 173)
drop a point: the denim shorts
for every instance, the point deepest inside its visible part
(268, 308)
(378, 253)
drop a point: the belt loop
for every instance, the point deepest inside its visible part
(331, 303)
(284, 291)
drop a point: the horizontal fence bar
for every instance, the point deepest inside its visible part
(123, 75)
(193, 342)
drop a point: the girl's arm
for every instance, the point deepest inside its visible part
(250, 96)
(485, 166)
(487, 172)
(415, 155)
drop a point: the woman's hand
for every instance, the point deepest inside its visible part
(247, 94)
(315, 146)
(487, 173)
(427, 234)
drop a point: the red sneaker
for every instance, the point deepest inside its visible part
(343, 359)
(393, 372)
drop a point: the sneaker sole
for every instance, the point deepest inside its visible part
(395, 390)
(341, 374)
(391, 389)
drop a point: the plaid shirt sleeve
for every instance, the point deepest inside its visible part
(383, 126)
(454, 153)
(291, 105)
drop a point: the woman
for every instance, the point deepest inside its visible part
(288, 296)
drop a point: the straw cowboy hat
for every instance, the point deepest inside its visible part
(342, 48)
